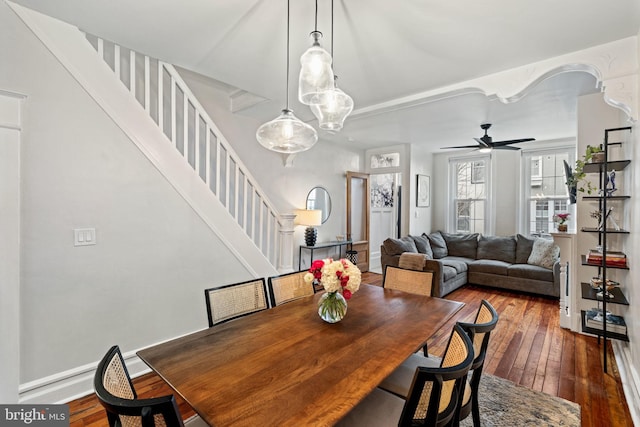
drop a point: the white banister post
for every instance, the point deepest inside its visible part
(286, 243)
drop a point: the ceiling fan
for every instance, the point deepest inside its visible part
(486, 144)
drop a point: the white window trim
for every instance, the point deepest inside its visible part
(490, 197)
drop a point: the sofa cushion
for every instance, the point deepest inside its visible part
(463, 245)
(544, 253)
(523, 248)
(438, 245)
(528, 271)
(459, 263)
(423, 246)
(398, 246)
(448, 273)
(489, 266)
(497, 248)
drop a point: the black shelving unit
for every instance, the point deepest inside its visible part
(602, 169)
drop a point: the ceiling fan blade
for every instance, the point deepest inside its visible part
(482, 143)
(461, 146)
(505, 147)
(512, 141)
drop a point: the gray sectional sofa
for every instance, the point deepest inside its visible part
(517, 262)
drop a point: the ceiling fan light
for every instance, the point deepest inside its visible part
(316, 74)
(332, 113)
(485, 150)
(286, 134)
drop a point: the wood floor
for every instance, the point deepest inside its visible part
(527, 347)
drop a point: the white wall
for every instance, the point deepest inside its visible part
(420, 218)
(10, 118)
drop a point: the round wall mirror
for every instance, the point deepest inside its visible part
(318, 198)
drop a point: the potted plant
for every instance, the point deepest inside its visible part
(594, 154)
(561, 219)
(576, 177)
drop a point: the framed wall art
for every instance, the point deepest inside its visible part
(423, 191)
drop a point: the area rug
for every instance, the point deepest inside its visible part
(504, 403)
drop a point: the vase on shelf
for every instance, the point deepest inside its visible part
(562, 227)
(332, 307)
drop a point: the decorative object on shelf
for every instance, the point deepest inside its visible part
(610, 183)
(594, 318)
(613, 258)
(340, 279)
(337, 105)
(287, 133)
(561, 220)
(597, 214)
(316, 74)
(596, 283)
(311, 218)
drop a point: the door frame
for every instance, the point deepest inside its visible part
(362, 245)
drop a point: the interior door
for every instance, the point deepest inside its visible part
(358, 202)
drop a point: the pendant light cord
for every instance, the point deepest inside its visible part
(288, 23)
(332, 31)
(316, 20)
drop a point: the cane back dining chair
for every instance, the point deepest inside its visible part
(231, 301)
(117, 395)
(433, 398)
(412, 281)
(479, 332)
(288, 287)
(399, 382)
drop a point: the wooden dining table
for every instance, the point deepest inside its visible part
(287, 367)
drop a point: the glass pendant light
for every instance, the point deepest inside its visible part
(286, 133)
(316, 75)
(335, 109)
(336, 105)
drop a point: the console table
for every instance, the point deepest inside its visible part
(336, 244)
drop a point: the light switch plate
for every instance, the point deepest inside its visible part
(84, 236)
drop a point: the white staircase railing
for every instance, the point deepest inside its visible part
(164, 95)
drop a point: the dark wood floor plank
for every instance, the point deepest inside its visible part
(558, 361)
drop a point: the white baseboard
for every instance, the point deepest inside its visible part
(72, 384)
(629, 378)
(69, 385)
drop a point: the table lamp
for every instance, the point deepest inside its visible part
(311, 218)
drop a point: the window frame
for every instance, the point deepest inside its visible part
(527, 179)
(453, 200)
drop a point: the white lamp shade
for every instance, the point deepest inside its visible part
(286, 134)
(308, 217)
(335, 109)
(316, 74)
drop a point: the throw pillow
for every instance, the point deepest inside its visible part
(497, 248)
(544, 253)
(423, 246)
(398, 246)
(523, 248)
(438, 245)
(462, 245)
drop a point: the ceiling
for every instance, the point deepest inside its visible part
(383, 51)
